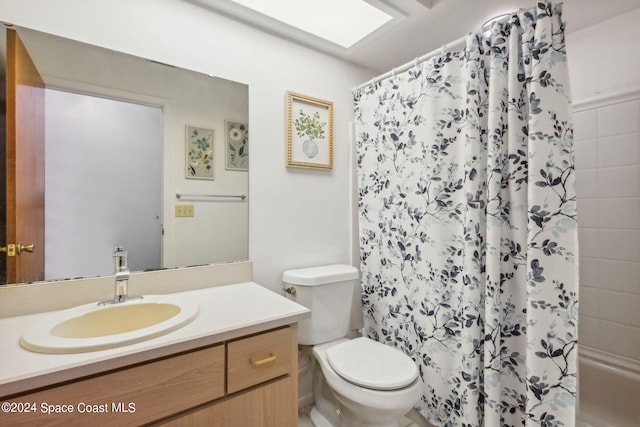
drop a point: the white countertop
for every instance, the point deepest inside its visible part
(226, 312)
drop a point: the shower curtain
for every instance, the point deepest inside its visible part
(468, 231)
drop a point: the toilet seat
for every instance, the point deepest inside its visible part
(370, 364)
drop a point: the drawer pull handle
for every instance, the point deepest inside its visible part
(263, 361)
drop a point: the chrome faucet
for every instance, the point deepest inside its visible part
(122, 277)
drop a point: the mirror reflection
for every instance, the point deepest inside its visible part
(117, 145)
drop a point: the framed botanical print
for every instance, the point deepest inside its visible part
(199, 153)
(237, 138)
(309, 132)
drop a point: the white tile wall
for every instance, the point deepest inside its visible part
(607, 146)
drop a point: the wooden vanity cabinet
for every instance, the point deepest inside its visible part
(249, 381)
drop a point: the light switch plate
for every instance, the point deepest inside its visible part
(185, 211)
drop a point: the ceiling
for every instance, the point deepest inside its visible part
(422, 26)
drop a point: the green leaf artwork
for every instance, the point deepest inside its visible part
(309, 125)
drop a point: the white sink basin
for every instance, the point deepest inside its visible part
(93, 327)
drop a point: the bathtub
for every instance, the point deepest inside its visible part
(609, 390)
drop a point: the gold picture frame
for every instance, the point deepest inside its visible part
(309, 132)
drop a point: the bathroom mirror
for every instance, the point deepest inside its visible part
(105, 187)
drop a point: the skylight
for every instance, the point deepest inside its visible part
(343, 22)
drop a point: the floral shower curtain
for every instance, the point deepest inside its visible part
(468, 231)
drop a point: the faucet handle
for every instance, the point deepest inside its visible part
(120, 257)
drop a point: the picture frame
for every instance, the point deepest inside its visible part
(237, 143)
(199, 159)
(309, 132)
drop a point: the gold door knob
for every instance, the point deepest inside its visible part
(27, 248)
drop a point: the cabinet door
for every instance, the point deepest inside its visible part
(271, 405)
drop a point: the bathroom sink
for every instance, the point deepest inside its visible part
(93, 327)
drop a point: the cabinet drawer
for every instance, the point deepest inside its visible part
(259, 358)
(131, 396)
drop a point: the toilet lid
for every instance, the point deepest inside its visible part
(370, 364)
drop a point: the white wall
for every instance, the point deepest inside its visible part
(297, 217)
(608, 189)
(604, 59)
(604, 64)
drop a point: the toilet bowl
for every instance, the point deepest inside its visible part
(357, 382)
(373, 384)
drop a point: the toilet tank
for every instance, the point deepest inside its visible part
(328, 292)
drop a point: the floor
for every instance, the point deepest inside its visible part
(304, 421)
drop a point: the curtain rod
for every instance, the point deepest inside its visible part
(410, 64)
(431, 54)
(192, 196)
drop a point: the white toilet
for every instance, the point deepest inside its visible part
(360, 382)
